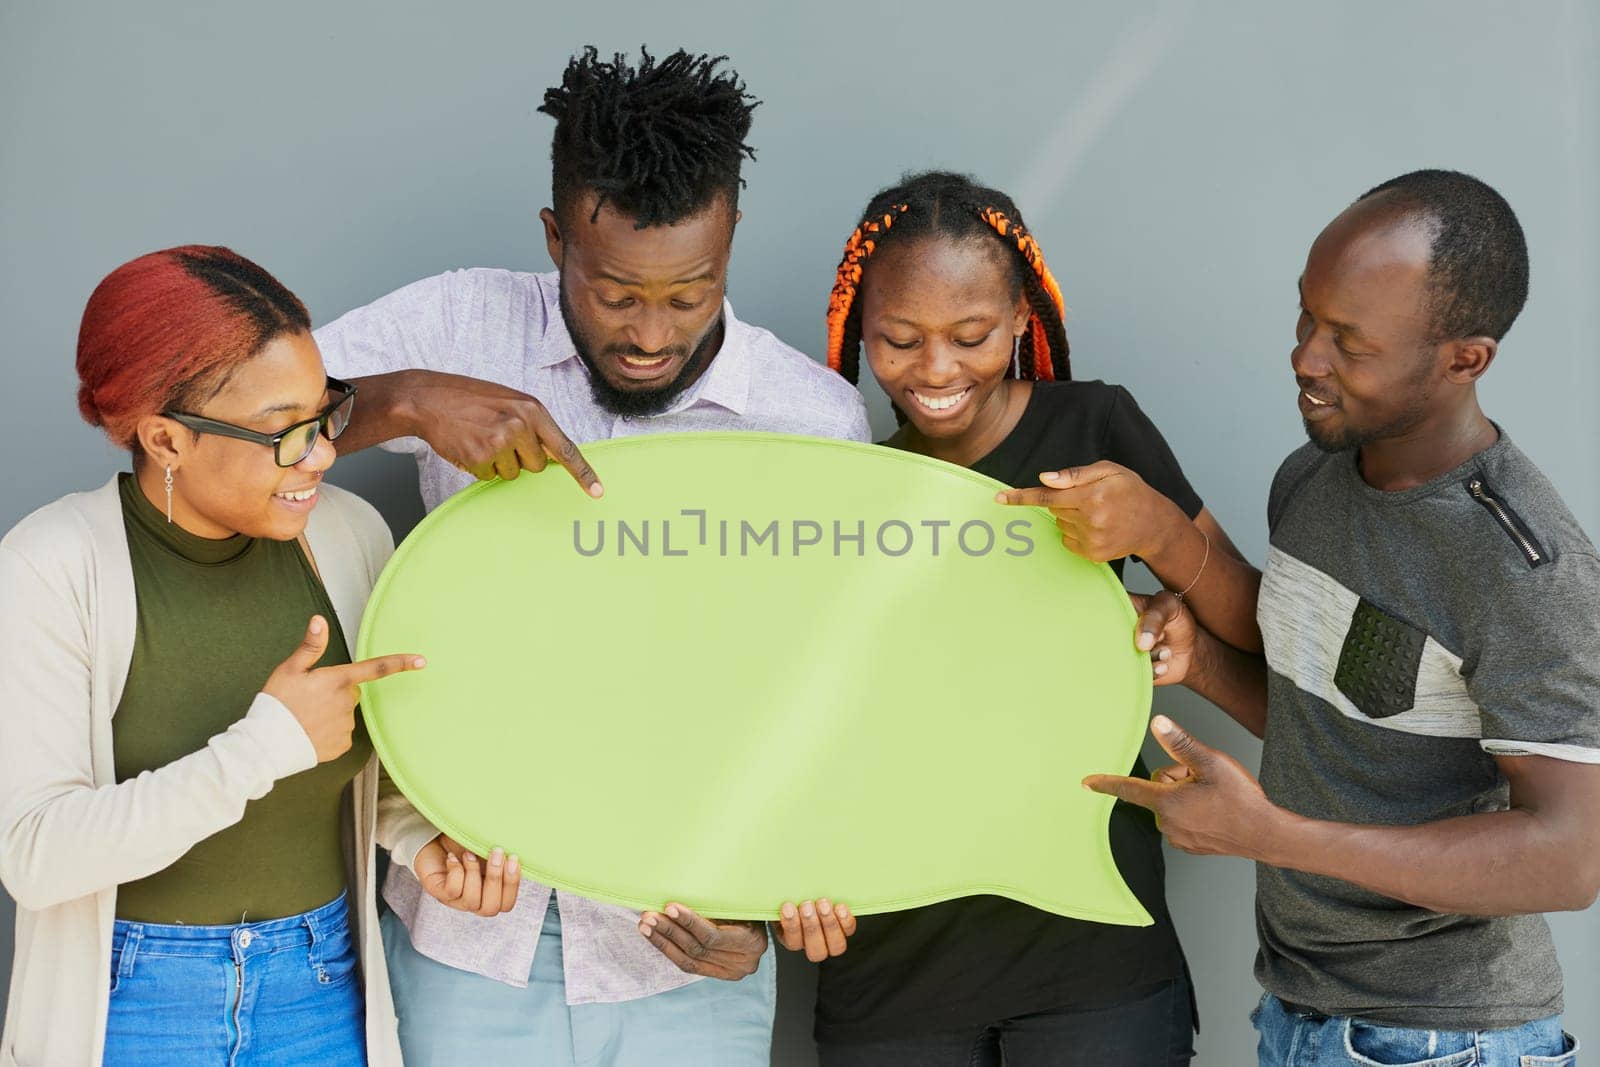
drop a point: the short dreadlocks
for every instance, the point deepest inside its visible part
(658, 141)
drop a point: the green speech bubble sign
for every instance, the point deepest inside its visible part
(763, 668)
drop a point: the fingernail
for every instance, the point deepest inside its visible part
(1160, 669)
(496, 858)
(644, 930)
(1086, 788)
(788, 911)
(844, 912)
(1166, 654)
(807, 910)
(418, 663)
(999, 498)
(450, 859)
(1050, 476)
(1146, 641)
(824, 907)
(1161, 724)
(596, 490)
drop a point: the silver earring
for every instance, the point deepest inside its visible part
(169, 494)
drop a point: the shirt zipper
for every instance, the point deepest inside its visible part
(1508, 520)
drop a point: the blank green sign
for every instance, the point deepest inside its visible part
(763, 668)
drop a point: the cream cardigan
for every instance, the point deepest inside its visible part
(69, 832)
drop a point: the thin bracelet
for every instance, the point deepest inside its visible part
(1203, 561)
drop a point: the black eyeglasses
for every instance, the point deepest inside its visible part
(291, 444)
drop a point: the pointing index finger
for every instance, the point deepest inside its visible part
(560, 448)
(1044, 496)
(370, 670)
(1133, 790)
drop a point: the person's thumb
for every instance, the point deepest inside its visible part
(310, 650)
(1155, 615)
(1073, 477)
(1181, 746)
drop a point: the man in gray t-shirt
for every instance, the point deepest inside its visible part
(1430, 768)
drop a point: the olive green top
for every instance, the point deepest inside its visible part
(214, 620)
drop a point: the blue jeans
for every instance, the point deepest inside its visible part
(1149, 1028)
(449, 1017)
(1295, 1039)
(267, 994)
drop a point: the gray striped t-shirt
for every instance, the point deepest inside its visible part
(1411, 637)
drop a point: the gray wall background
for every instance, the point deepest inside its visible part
(1175, 159)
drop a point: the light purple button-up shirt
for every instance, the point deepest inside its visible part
(506, 327)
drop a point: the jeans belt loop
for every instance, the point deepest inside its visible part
(1300, 1009)
(130, 950)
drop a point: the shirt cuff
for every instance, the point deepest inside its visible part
(403, 830)
(1551, 749)
(287, 745)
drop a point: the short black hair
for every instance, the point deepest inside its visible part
(1478, 271)
(659, 140)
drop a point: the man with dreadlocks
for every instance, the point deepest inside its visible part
(490, 372)
(962, 324)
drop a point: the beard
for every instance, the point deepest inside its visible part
(633, 403)
(1417, 388)
(1350, 438)
(1331, 443)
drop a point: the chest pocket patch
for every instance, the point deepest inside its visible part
(1378, 664)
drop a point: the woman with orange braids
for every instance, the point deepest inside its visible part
(187, 798)
(962, 324)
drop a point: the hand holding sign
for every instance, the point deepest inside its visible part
(1104, 510)
(1166, 630)
(726, 950)
(460, 879)
(819, 928)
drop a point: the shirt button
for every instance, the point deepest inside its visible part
(245, 937)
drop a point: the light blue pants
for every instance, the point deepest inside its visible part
(450, 1017)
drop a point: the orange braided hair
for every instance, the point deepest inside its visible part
(1037, 355)
(1043, 369)
(848, 279)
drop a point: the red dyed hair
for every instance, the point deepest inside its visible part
(168, 328)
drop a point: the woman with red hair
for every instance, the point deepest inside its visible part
(186, 793)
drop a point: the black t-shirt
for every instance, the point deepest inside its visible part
(977, 960)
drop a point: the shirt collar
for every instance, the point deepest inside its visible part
(556, 345)
(725, 383)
